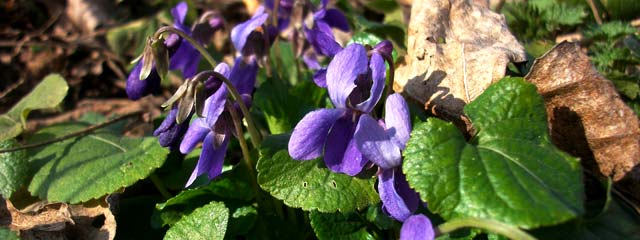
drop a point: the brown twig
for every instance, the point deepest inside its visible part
(594, 10)
(72, 135)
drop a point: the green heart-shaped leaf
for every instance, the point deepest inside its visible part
(509, 171)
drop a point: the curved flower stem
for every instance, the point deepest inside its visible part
(246, 155)
(256, 138)
(392, 71)
(248, 162)
(491, 225)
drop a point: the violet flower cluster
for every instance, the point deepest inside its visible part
(348, 136)
(214, 128)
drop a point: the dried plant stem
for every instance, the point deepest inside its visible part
(72, 135)
(256, 138)
(491, 225)
(595, 12)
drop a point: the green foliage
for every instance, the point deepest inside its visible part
(612, 52)
(84, 168)
(48, 94)
(207, 222)
(7, 234)
(283, 106)
(235, 181)
(339, 226)
(542, 19)
(14, 168)
(509, 171)
(616, 221)
(309, 184)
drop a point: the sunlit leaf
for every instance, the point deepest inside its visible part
(509, 171)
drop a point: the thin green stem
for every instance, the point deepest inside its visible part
(491, 225)
(246, 155)
(392, 71)
(160, 186)
(247, 160)
(256, 138)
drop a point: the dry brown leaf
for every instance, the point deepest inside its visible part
(456, 50)
(586, 115)
(43, 220)
(89, 14)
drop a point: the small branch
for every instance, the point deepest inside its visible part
(594, 10)
(491, 225)
(72, 135)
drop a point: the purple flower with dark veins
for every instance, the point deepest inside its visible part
(215, 128)
(355, 83)
(382, 142)
(183, 56)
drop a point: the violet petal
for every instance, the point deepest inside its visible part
(186, 59)
(417, 227)
(309, 136)
(341, 152)
(343, 71)
(179, 12)
(378, 78)
(392, 201)
(385, 48)
(169, 132)
(375, 144)
(195, 134)
(243, 75)
(241, 31)
(137, 88)
(396, 116)
(336, 19)
(321, 42)
(214, 106)
(217, 158)
(320, 78)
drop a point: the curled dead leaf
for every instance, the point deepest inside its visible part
(586, 115)
(456, 50)
(42, 220)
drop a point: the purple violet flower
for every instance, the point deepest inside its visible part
(215, 128)
(319, 32)
(252, 38)
(417, 227)
(382, 142)
(355, 83)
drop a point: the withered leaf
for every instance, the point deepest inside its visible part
(456, 50)
(44, 220)
(586, 116)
